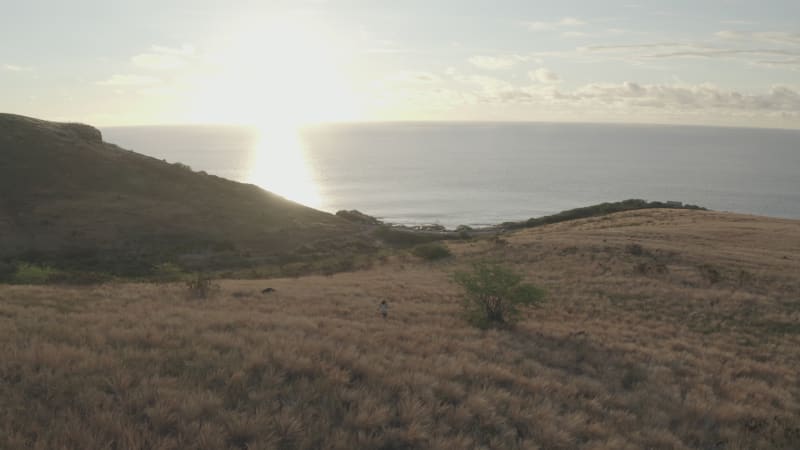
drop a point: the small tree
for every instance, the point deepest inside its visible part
(201, 286)
(431, 251)
(494, 294)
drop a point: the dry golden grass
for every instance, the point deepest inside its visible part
(663, 330)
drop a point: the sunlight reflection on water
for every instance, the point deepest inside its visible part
(279, 164)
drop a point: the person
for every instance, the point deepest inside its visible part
(384, 308)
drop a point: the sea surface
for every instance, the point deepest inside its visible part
(479, 174)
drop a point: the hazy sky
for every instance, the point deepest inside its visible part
(113, 62)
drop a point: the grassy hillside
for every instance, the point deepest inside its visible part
(663, 329)
(73, 201)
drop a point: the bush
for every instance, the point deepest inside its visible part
(494, 294)
(32, 274)
(404, 238)
(710, 273)
(357, 216)
(166, 272)
(201, 286)
(431, 251)
(79, 278)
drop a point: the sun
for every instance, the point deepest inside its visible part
(277, 75)
(279, 164)
(283, 70)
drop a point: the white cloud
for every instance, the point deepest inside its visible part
(771, 37)
(793, 63)
(543, 75)
(629, 99)
(184, 50)
(688, 97)
(129, 80)
(15, 68)
(164, 58)
(763, 55)
(155, 61)
(738, 22)
(563, 23)
(632, 96)
(489, 85)
(157, 90)
(414, 77)
(496, 62)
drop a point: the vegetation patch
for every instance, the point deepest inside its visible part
(201, 286)
(26, 273)
(432, 251)
(614, 360)
(494, 295)
(601, 209)
(403, 238)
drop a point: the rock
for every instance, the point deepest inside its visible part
(85, 132)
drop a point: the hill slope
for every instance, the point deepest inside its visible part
(663, 329)
(70, 199)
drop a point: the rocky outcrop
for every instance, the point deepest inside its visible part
(84, 132)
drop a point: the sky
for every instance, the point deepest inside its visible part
(113, 62)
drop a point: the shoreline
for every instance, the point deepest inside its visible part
(596, 210)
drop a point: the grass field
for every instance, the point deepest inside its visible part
(662, 329)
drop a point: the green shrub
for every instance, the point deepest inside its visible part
(201, 286)
(404, 238)
(331, 266)
(166, 272)
(79, 278)
(432, 251)
(357, 216)
(27, 273)
(494, 294)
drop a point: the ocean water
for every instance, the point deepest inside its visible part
(485, 173)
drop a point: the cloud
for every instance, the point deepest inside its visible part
(763, 55)
(543, 75)
(738, 22)
(157, 90)
(544, 96)
(164, 58)
(685, 97)
(15, 68)
(496, 62)
(630, 47)
(792, 63)
(771, 37)
(415, 77)
(129, 80)
(563, 23)
(184, 50)
(489, 85)
(631, 98)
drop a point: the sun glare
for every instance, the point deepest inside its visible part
(279, 165)
(280, 71)
(277, 75)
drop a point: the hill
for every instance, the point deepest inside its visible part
(73, 201)
(662, 329)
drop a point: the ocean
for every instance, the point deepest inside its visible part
(480, 174)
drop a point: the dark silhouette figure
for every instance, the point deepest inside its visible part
(267, 290)
(384, 308)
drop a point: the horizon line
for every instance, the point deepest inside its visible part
(452, 122)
